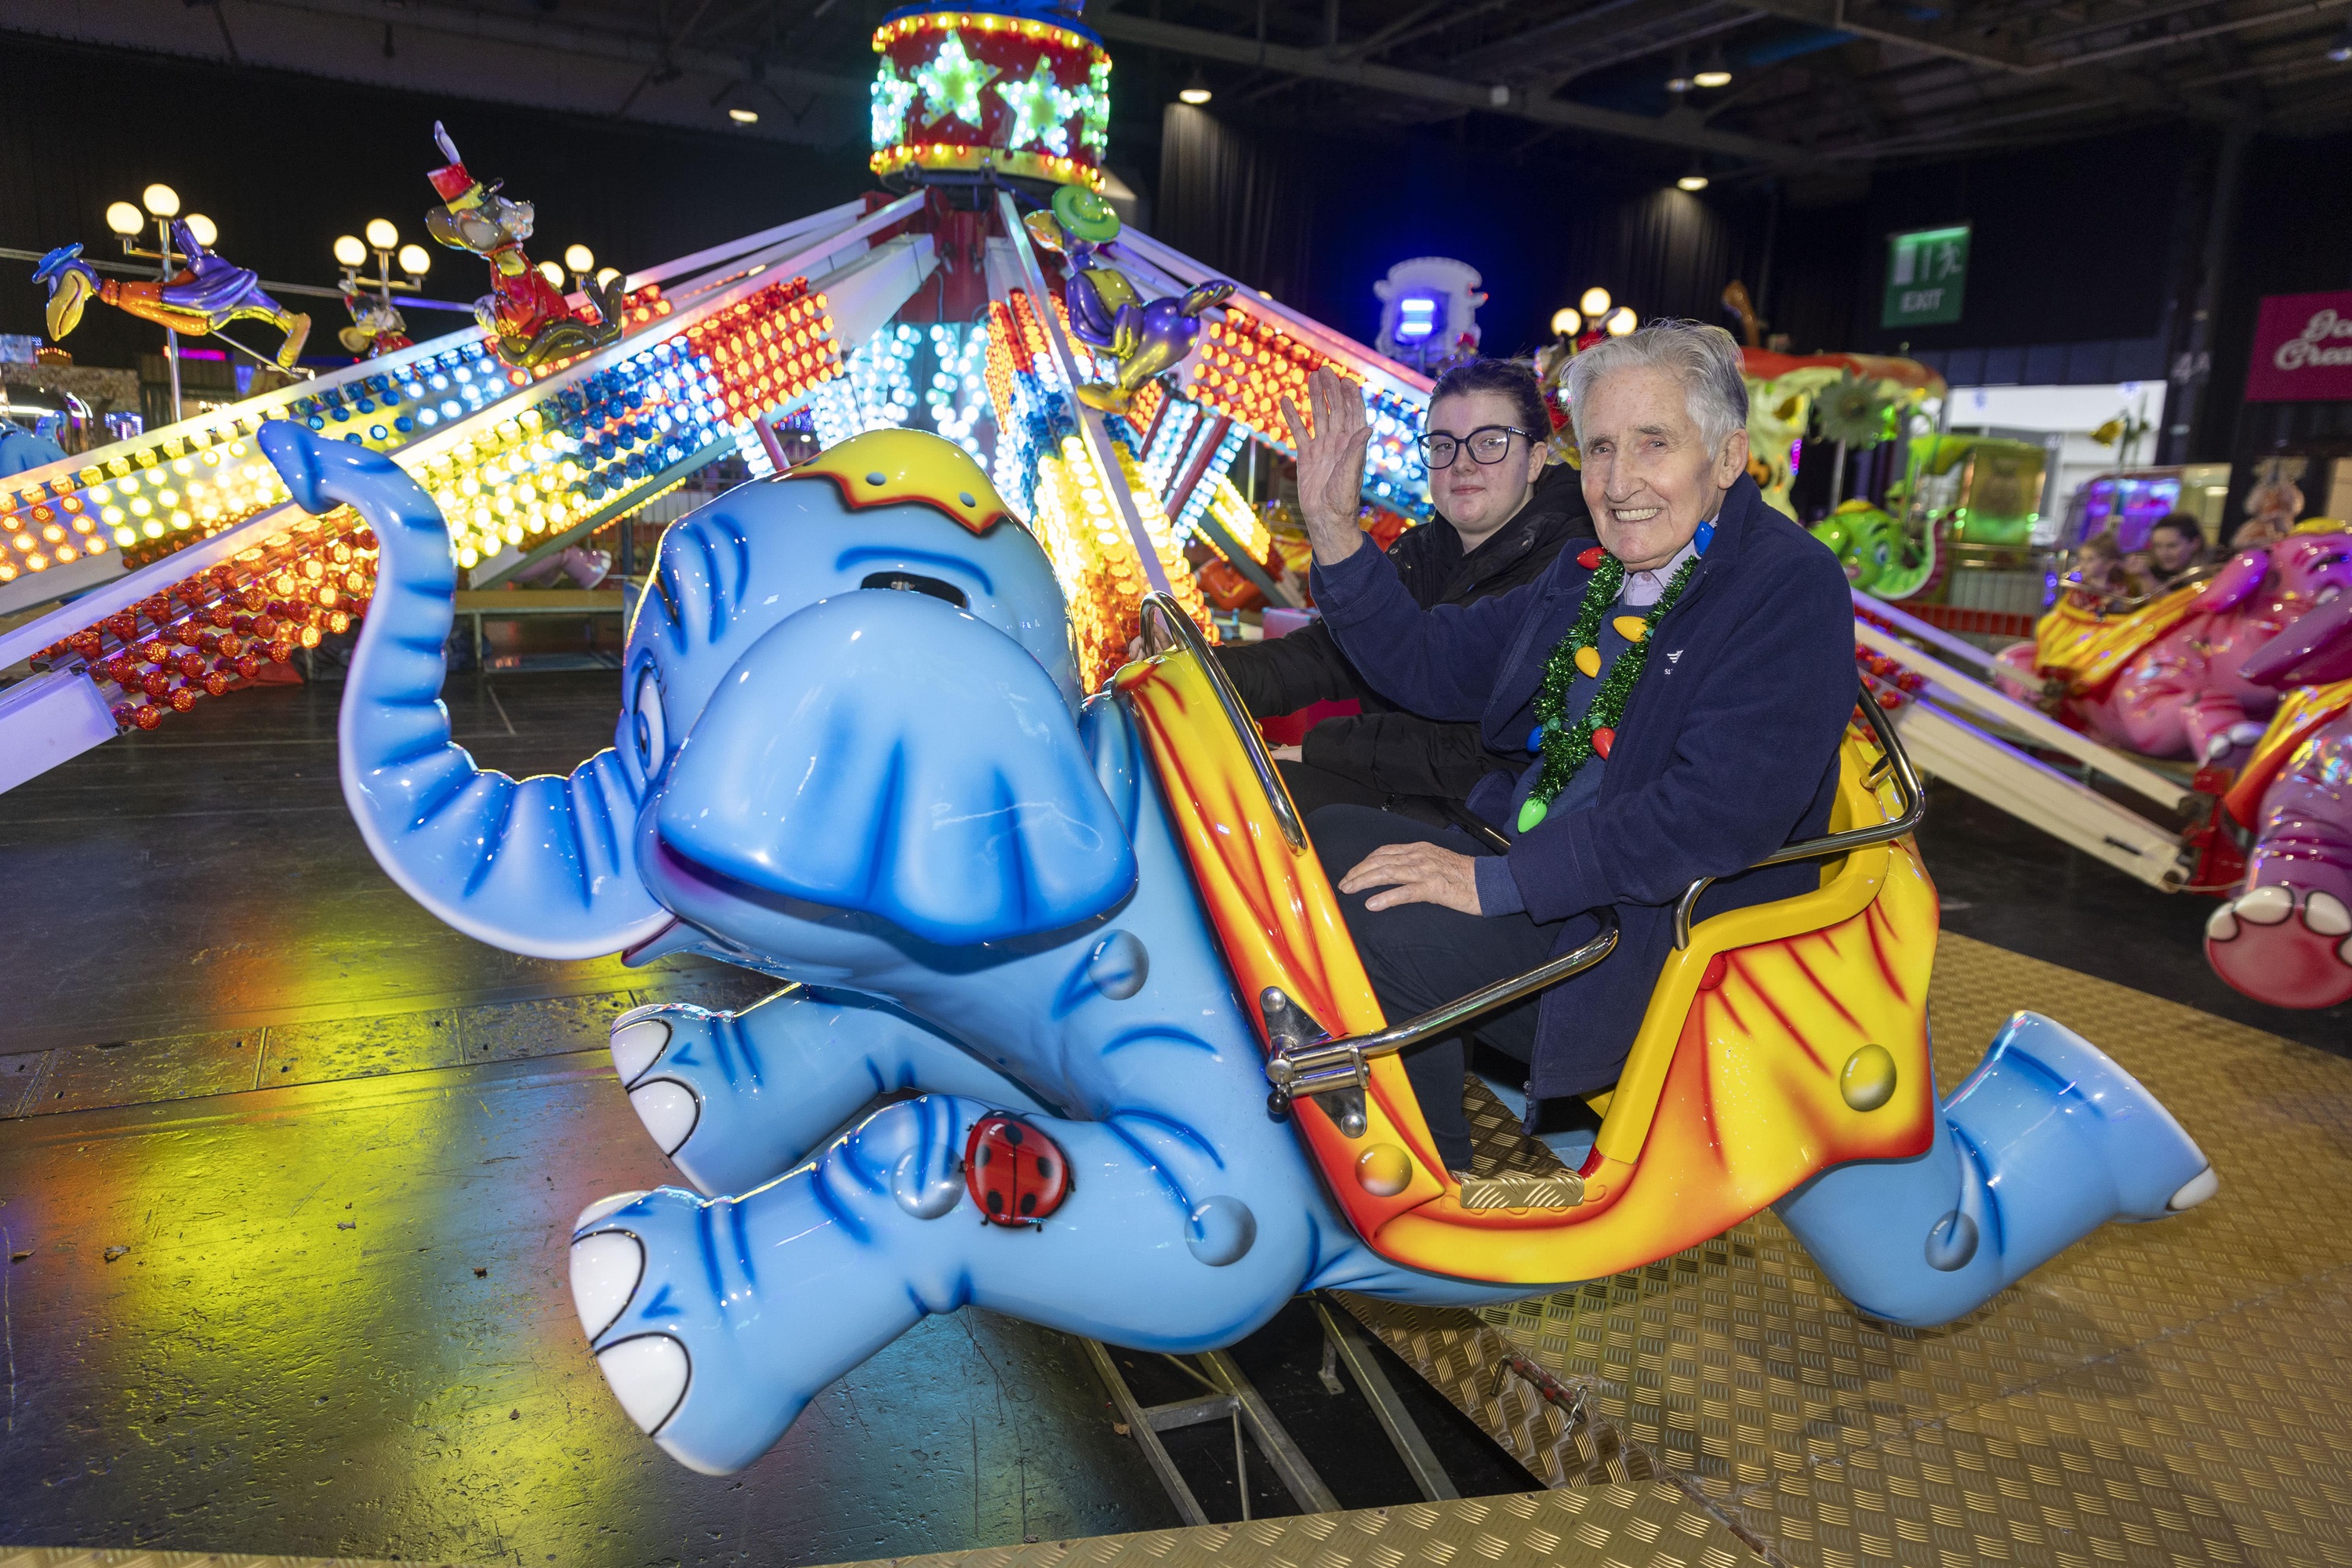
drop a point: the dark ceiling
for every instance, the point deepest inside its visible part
(1817, 87)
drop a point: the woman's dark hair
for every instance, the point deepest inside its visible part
(2181, 523)
(1506, 378)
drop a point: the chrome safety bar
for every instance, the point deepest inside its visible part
(2113, 602)
(1166, 628)
(1329, 1065)
(1906, 785)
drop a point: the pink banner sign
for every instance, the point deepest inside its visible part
(2303, 348)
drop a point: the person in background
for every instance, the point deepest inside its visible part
(2271, 508)
(2099, 572)
(2176, 547)
(1502, 517)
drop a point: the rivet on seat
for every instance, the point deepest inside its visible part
(1383, 1171)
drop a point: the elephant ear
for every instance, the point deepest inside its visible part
(889, 753)
(2236, 582)
(2313, 649)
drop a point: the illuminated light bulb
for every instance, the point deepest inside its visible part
(125, 220)
(382, 235)
(415, 260)
(554, 274)
(160, 200)
(349, 251)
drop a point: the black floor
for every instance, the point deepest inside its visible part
(286, 1195)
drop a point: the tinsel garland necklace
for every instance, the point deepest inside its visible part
(1566, 747)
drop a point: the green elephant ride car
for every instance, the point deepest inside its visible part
(1880, 556)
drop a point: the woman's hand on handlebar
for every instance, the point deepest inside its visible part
(1331, 463)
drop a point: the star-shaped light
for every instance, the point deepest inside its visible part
(1041, 110)
(951, 83)
(892, 94)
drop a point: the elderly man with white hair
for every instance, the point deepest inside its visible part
(1678, 690)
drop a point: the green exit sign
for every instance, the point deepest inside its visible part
(1927, 273)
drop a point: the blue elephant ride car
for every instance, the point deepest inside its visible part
(1073, 940)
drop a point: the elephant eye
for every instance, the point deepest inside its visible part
(653, 740)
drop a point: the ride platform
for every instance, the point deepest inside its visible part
(200, 1355)
(2166, 1394)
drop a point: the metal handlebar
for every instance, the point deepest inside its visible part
(1328, 1065)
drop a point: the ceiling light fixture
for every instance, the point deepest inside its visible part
(1694, 180)
(1196, 92)
(744, 116)
(1717, 74)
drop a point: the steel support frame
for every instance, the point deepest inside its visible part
(1231, 1397)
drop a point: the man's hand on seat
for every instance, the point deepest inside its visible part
(1331, 463)
(1416, 874)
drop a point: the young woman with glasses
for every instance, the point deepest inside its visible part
(1502, 515)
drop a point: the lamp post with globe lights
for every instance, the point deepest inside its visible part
(1575, 328)
(161, 204)
(384, 240)
(352, 255)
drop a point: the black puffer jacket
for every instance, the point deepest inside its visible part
(1400, 754)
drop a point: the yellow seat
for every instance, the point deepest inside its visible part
(1783, 1038)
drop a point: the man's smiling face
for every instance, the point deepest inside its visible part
(1649, 476)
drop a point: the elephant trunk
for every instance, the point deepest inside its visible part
(542, 867)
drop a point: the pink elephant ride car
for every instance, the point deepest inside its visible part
(2167, 678)
(2286, 937)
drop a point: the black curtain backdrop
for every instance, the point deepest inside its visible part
(1664, 253)
(284, 163)
(1318, 221)
(1233, 202)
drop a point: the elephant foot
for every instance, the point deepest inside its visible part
(2224, 743)
(2047, 1140)
(716, 1320)
(2287, 948)
(735, 1100)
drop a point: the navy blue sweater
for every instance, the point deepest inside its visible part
(1728, 749)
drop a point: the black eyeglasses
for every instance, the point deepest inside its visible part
(1488, 444)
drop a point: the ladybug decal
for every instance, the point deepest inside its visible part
(1015, 1174)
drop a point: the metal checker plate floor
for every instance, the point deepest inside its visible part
(2162, 1394)
(1640, 1526)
